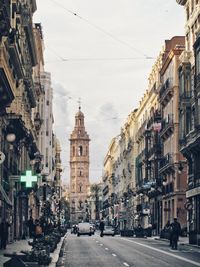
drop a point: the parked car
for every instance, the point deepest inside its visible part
(109, 230)
(84, 229)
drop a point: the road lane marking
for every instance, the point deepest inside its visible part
(101, 245)
(164, 252)
(97, 241)
(126, 264)
(114, 255)
(106, 249)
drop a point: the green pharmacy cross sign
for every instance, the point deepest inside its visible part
(28, 179)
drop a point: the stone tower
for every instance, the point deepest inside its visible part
(79, 170)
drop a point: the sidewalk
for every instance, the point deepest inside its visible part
(14, 247)
(183, 241)
(23, 245)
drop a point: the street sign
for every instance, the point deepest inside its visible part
(2, 157)
(28, 179)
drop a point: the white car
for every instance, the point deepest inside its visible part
(84, 229)
(109, 230)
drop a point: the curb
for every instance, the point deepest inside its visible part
(57, 252)
(60, 262)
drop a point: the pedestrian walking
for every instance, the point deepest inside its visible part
(31, 227)
(101, 227)
(175, 233)
(4, 233)
(168, 232)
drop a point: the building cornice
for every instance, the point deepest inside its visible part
(181, 2)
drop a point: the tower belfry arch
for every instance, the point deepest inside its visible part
(79, 169)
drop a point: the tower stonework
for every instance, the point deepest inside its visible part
(79, 170)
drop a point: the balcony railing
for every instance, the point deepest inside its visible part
(5, 17)
(166, 91)
(167, 125)
(194, 180)
(167, 189)
(15, 54)
(8, 86)
(166, 161)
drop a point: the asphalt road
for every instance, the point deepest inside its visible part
(94, 251)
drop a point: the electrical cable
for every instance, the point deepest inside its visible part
(102, 30)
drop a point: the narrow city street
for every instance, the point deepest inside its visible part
(120, 251)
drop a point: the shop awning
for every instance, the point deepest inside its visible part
(4, 197)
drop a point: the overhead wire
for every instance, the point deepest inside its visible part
(61, 59)
(102, 30)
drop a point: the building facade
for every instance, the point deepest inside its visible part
(189, 113)
(172, 166)
(22, 127)
(79, 170)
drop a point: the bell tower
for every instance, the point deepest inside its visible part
(79, 170)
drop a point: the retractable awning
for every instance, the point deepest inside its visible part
(4, 197)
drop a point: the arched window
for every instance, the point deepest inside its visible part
(79, 121)
(73, 151)
(80, 151)
(80, 204)
(80, 174)
(80, 188)
(86, 150)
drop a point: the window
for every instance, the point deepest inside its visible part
(79, 121)
(80, 204)
(80, 174)
(188, 120)
(198, 62)
(181, 83)
(80, 188)
(192, 6)
(73, 151)
(80, 151)
(187, 13)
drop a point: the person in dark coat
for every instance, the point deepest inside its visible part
(101, 227)
(175, 233)
(4, 233)
(31, 227)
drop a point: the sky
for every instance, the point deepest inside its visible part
(102, 51)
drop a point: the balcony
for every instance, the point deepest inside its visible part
(185, 98)
(167, 127)
(15, 54)
(168, 189)
(141, 131)
(37, 121)
(27, 24)
(4, 17)
(39, 89)
(30, 89)
(7, 82)
(166, 92)
(166, 164)
(194, 180)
